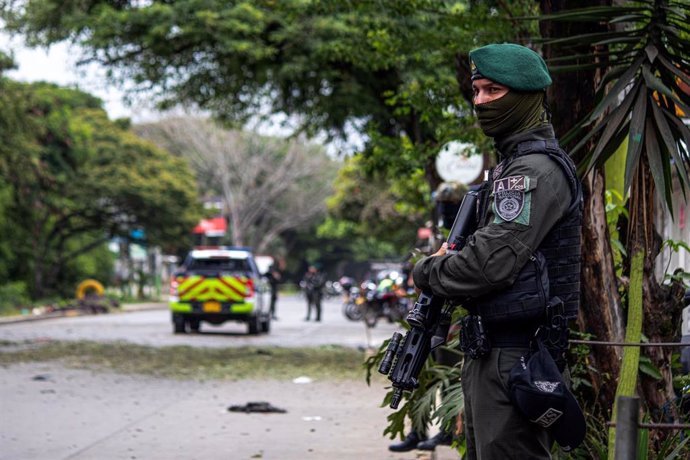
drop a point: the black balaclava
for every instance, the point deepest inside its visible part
(512, 113)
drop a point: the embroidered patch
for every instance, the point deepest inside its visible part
(545, 386)
(509, 196)
(548, 418)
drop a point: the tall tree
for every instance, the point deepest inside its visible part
(268, 185)
(601, 309)
(371, 208)
(81, 179)
(383, 68)
(644, 59)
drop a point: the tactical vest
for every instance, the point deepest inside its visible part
(554, 268)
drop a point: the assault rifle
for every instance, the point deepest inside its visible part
(429, 319)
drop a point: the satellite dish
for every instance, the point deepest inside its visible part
(458, 162)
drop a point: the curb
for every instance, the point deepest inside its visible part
(126, 308)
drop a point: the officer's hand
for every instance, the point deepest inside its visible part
(442, 250)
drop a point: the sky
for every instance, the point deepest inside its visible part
(57, 64)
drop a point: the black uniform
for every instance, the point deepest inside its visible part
(526, 196)
(313, 283)
(274, 278)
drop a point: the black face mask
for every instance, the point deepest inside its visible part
(511, 113)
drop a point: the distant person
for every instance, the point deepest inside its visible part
(313, 284)
(274, 276)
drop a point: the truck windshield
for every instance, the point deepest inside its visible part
(219, 264)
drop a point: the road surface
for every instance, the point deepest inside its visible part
(50, 412)
(153, 327)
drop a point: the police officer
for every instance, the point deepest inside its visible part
(274, 276)
(525, 252)
(313, 283)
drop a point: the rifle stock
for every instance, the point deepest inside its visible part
(429, 321)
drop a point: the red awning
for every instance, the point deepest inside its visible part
(211, 227)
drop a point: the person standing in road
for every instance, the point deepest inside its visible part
(522, 262)
(274, 276)
(313, 283)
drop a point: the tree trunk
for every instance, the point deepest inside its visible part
(600, 309)
(627, 380)
(571, 95)
(662, 303)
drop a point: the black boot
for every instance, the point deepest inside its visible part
(441, 439)
(409, 443)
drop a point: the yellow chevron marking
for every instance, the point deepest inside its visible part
(197, 288)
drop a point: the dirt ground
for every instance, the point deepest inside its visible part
(52, 412)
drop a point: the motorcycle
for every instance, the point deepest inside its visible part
(386, 300)
(352, 304)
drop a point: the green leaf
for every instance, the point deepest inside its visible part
(636, 137)
(585, 139)
(591, 38)
(629, 18)
(654, 156)
(594, 13)
(654, 82)
(613, 145)
(648, 368)
(675, 453)
(613, 122)
(618, 245)
(620, 85)
(671, 144)
(652, 52)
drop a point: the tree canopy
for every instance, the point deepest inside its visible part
(383, 68)
(72, 180)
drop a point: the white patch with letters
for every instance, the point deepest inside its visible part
(548, 418)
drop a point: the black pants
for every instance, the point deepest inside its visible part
(314, 300)
(494, 428)
(274, 298)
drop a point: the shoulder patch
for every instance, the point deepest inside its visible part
(509, 196)
(518, 183)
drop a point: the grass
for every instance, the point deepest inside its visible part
(184, 362)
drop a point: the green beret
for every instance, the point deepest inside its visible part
(514, 66)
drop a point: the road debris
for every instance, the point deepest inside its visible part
(258, 406)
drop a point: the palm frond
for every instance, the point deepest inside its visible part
(612, 96)
(613, 122)
(656, 165)
(636, 137)
(668, 138)
(642, 91)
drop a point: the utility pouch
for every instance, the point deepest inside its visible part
(473, 339)
(554, 332)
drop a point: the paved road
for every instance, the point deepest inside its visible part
(153, 327)
(49, 412)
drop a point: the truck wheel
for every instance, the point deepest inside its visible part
(266, 324)
(194, 325)
(254, 325)
(179, 326)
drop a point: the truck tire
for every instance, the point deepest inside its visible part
(194, 325)
(266, 324)
(179, 324)
(253, 325)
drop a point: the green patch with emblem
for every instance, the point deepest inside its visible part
(512, 200)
